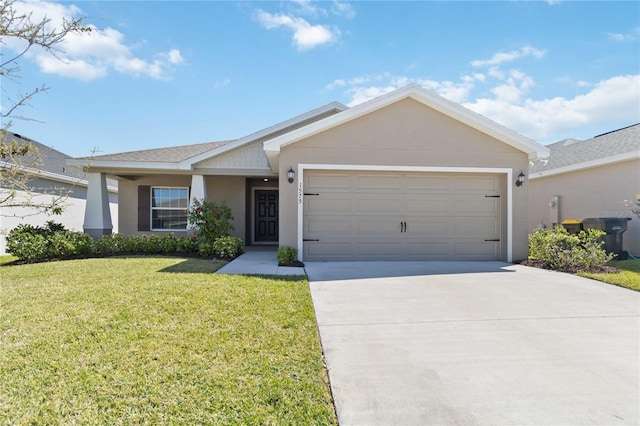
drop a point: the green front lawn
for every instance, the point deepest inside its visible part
(157, 340)
(628, 277)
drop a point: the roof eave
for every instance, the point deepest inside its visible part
(57, 177)
(133, 165)
(264, 132)
(619, 158)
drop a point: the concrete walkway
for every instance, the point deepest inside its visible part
(489, 343)
(258, 261)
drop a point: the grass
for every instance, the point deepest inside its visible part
(157, 340)
(628, 277)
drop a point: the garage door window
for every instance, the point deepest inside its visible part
(169, 208)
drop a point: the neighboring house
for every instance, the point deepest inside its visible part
(589, 178)
(51, 176)
(406, 176)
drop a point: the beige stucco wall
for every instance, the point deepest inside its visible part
(406, 133)
(219, 188)
(593, 192)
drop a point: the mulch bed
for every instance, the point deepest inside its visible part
(294, 264)
(602, 269)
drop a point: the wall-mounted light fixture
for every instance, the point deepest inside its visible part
(520, 180)
(291, 174)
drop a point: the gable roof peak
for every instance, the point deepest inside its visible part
(420, 94)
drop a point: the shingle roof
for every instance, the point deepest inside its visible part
(572, 151)
(174, 154)
(51, 160)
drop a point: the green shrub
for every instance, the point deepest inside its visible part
(186, 245)
(559, 250)
(228, 246)
(287, 255)
(210, 220)
(27, 245)
(33, 243)
(144, 244)
(206, 249)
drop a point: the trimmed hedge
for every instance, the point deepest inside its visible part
(33, 243)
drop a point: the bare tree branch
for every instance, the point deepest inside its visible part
(20, 161)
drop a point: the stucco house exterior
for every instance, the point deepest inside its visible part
(589, 178)
(53, 176)
(406, 176)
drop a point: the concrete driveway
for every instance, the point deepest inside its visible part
(476, 343)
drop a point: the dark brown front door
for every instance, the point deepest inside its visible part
(266, 216)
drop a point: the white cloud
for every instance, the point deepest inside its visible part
(503, 57)
(616, 36)
(88, 56)
(616, 99)
(312, 9)
(306, 7)
(175, 57)
(219, 84)
(363, 88)
(305, 35)
(510, 103)
(629, 36)
(336, 83)
(342, 8)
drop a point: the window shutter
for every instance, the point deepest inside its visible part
(144, 208)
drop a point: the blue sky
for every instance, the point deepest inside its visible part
(163, 73)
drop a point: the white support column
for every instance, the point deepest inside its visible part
(97, 215)
(198, 190)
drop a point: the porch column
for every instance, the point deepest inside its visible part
(97, 216)
(198, 190)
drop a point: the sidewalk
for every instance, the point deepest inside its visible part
(258, 261)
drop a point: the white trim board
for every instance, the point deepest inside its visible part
(421, 169)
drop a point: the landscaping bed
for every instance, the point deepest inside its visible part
(596, 269)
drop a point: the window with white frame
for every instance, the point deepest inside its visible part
(169, 208)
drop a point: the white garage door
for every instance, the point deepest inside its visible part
(401, 216)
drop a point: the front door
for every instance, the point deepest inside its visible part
(265, 226)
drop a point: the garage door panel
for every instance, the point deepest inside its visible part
(330, 181)
(426, 183)
(476, 183)
(477, 250)
(475, 206)
(371, 227)
(378, 206)
(476, 228)
(424, 205)
(447, 216)
(338, 250)
(317, 205)
(434, 247)
(381, 249)
(421, 227)
(324, 226)
(365, 182)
